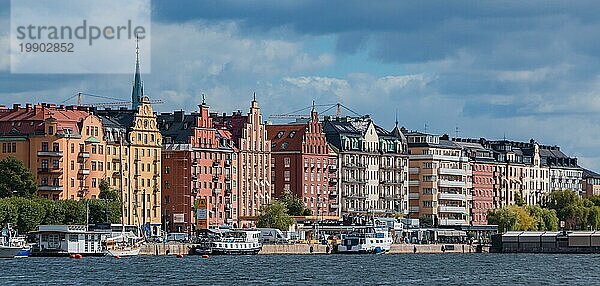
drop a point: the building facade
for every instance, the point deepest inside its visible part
(197, 164)
(252, 171)
(300, 164)
(63, 147)
(133, 159)
(373, 166)
(481, 197)
(440, 180)
(590, 183)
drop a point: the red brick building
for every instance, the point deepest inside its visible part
(300, 164)
(482, 164)
(196, 162)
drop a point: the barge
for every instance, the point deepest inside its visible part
(546, 242)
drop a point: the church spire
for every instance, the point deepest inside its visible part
(138, 86)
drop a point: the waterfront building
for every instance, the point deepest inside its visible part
(197, 164)
(252, 171)
(565, 174)
(440, 179)
(373, 166)
(590, 183)
(133, 158)
(481, 196)
(520, 171)
(300, 164)
(63, 147)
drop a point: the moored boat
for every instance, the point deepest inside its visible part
(12, 245)
(364, 240)
(229, 242)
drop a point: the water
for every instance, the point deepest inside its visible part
(416, 269)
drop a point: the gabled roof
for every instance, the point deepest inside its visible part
(288, 137)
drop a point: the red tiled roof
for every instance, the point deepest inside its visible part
(280, 137)
(30, 120)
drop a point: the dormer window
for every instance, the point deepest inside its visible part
(50, 130)
(280, 134)
(292, 134)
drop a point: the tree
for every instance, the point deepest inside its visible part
(504, 217)
(15, 179)
(106, 193)
(275, 215)
(519, 199)
(294, 205)
(593, 218)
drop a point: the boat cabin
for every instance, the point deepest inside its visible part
(62, 240)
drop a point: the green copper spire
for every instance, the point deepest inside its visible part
(138, 86)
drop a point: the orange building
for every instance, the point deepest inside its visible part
(62, 146)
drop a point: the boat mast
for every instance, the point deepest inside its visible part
(121, 182)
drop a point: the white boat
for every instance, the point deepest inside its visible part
(233, 241)
(125, 244)
(366, 240)
(12, 245)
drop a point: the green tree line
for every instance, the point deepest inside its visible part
(567, 206)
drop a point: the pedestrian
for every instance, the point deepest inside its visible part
(415, 249)
(463, 246)
(443, 249)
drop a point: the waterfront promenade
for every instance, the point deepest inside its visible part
(278, 249)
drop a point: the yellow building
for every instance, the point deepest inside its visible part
(62, 146)
(134, 158)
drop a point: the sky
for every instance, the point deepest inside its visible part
(495, 69)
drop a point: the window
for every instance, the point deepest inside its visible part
(93, 182)
(286, 175)
(286, 162)
(44, 146)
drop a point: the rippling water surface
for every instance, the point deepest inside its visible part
(416, 269)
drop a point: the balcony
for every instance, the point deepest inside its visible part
(334, 206)
(452, 197)
(333, 181)
(217, 191)
(194, 191)
(216, 163)
(332, 168)
(413, 196)
(355, 166)
(333, 193)
(227, 207)
(452, 171)
(414, 183)
(50, 188)
(50, 170)
(413, 170)
(136, 159)
(356, 196)
(194, 162)
(116, 159)
(116, 174)
(227, 178)
(447, 221)
(227, 162)
(449, 209)
(84, 171)
(450, 184)
(84, 154)
(215, 178)
(413, 209)
(50, 153)
(354, 181)
(194, 177)
(391, 182)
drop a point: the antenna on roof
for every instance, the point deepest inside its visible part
(203, 99)
(425, 127)
(456, 131)
(396, 118)
(254, 97)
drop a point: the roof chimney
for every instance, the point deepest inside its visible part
(28, 106)
(16, 106)
(178, 115)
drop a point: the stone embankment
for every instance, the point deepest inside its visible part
(182, 248)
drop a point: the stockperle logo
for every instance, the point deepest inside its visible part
(78, 36)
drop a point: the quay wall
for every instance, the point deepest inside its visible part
(182, 248)
(431, 248)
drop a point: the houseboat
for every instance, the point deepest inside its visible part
(231, 241)
(64, 240)
(368, 239)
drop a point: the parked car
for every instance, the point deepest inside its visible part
(272, 235)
